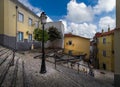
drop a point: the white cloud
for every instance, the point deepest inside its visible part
(48, 18)
(32, 8)
(79, 16)
(84, 29)
(65, 26)
(104, 6)
(105, 21)
(79, 12)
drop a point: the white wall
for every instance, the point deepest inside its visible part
(60, 42)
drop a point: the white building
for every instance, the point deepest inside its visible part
(57, 43)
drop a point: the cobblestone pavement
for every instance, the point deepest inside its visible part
(25, 73)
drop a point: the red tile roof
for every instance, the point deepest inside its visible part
(117, 28)
(98, 34)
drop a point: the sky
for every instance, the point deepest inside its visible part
(80, 17)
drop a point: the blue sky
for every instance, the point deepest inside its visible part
(56, 9)
(81, 17)
(52, 7)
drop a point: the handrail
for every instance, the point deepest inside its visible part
(73, 62)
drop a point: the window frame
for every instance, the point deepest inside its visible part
(22, 15)
(104, 53)
(19, 38)
(30, 21)
(104, 40)
(30, 38)
(36, 24)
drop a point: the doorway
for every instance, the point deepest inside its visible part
(104, 66)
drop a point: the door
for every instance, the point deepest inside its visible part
(104, 66)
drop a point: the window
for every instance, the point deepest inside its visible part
(30, 22)
(104, 40)
(36, 24)
(70, 52)
(97, 40)
(20, 36)
(70, 42)
(30, 37)
(104, 53)
(20, 17)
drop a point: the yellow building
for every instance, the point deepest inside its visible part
(17, 24)
(105, 46)
(117, 46)
(76, 45)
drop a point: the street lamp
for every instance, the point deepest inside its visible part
(43, 19)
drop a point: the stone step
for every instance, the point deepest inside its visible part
(81, 78)
(20, 82)
(11, 75)
(3, 52)
(14, 79)
(5, 63)
(4, 58)
(2, 49)
(4, 69)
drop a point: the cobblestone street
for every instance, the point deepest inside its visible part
(25, 73)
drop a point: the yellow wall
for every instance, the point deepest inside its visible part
(79, 45)
(1, 16)
(108, 47)
(23, 26)
(117, 46)
(117, 39)
(10, 20)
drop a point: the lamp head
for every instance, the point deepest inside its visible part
(43, 18)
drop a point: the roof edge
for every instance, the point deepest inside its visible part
(24, 7)
(71, 35)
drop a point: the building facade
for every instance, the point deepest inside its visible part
(93, 53)
(59, 43)
(105, 48)
(17, 24)
(117, 45)
(76, 45)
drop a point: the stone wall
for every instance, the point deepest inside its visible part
(10, 42)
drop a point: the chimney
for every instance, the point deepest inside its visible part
(70, 33)
(102, 30)
(108, 28)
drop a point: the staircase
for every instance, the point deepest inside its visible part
(24, 72)
(11, 71)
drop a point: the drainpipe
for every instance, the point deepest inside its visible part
(14, 49)
(16, 27)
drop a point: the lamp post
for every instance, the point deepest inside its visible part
(43, 19)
